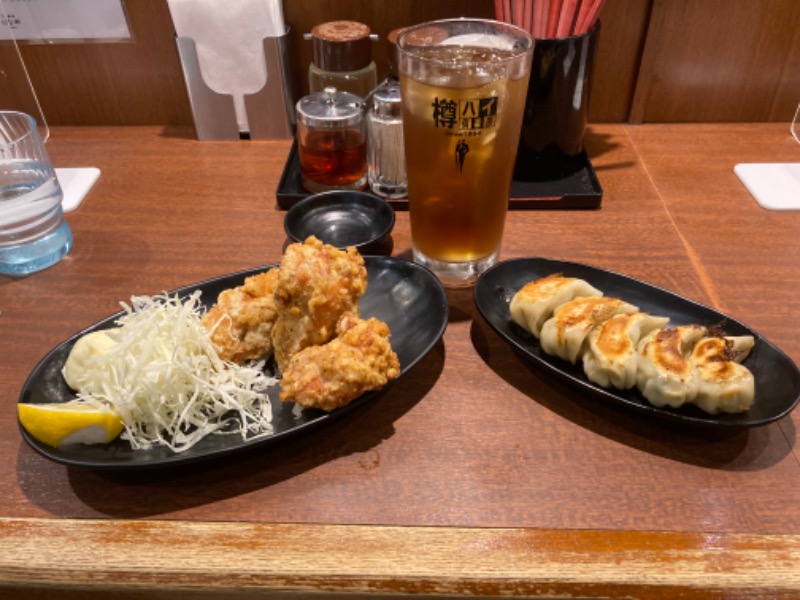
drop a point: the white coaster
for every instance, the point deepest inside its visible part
(76, 183)
(775, 186)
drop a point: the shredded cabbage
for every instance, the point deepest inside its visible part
(167, 382)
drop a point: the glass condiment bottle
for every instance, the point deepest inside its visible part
(342, 58)
(385, 147)
(332, 141)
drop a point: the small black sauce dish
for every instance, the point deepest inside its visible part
(343, 218)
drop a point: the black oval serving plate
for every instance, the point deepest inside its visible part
(406, 296)
(776, 377)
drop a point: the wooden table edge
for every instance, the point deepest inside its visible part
(387, 560)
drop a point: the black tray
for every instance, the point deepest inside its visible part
(567, 184)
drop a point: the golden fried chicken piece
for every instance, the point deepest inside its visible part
(242, 319)
(330, 376)
(317, 284)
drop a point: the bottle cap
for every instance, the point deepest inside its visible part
(330, 109)
(341, 46)
(392, 57)
(429, 35)
(386, 101)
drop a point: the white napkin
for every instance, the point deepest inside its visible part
(75, 184)
(229, 40)
(775, 186)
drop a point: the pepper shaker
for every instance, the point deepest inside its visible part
(386, 150)
(385, 145)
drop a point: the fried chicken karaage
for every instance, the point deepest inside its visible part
(306, 314)
(330, 376)
(241, 321)
(316, 285)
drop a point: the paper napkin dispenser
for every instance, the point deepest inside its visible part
(234, 61)
(269, 111)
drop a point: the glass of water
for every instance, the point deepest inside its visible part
(33, 233)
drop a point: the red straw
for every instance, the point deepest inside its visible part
(549, 18)
(499, 13)
(552, 18)
(590, 17)
(583, 10)
(517, 13)
(527, 16)
(542, 13)
(567, 18)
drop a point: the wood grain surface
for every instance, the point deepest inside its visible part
(722, 61)
(225, 559)
(481, 475)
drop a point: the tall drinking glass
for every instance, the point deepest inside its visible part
(33, 233)
(463, 85)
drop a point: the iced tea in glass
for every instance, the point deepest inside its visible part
(464, 84)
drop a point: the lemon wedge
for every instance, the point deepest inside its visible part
(61, 424)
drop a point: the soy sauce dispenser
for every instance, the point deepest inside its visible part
(332, 141)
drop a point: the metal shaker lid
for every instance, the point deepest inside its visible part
(330, 108)
(386, 101)
(341, 46)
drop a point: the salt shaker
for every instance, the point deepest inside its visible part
(385, 147)
(386, 151)
(332, 141)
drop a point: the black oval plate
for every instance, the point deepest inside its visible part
(406, 296)
(776, 376)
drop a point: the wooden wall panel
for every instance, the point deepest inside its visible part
(140, 83)
(128, 83)
(720, 60)
(619, 52)
(658, 60)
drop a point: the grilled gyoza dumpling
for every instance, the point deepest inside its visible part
(564, 334)
(535, 302)
(665, 375)
(725, 385)
(610, 358)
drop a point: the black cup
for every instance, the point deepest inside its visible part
(557, 106)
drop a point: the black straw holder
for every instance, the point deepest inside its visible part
(557, 107)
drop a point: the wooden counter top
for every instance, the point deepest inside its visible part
(481, 475)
